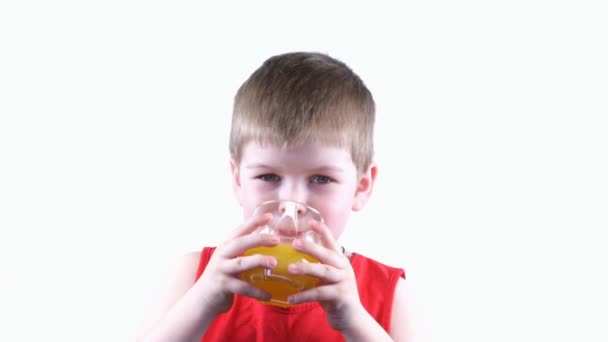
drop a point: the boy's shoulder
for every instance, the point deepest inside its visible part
(188, 263)
(379, 286)
(372, 267)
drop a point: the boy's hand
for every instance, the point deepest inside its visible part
(220, 280)
(338, 293)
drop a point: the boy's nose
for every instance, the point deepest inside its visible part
(293, 191)
(296, 208)
(288, 223)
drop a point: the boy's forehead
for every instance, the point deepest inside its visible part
(254, 153)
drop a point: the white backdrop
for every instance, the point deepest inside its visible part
(491, 141)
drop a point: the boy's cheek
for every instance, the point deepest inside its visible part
(336, 225)
(250, 203)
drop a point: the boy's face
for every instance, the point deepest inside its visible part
(320, 176)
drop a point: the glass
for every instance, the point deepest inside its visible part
(290, 220)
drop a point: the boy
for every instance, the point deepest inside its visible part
(302, 130)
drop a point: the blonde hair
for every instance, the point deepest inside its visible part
(297, 97)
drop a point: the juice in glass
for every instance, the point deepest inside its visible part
(278, 281)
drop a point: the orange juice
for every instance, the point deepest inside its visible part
(278, 281)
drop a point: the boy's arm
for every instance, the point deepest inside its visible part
(406, 323)
(191, 305)
(402, 321)
(179, 314)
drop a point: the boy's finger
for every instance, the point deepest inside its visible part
(328, 274)
(317, 294)
(245, 263)
(250, 225)
(324, 254)
(327, 238)
(238, 245)
(240, 287)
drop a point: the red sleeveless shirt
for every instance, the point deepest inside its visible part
(250, 320)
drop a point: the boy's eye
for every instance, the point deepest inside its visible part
(321, 179)
(269, 178)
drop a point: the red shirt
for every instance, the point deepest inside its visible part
(250, 320)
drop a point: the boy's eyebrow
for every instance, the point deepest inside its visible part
(257, 166)
(318, 169)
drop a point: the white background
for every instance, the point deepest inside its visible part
(491, 139)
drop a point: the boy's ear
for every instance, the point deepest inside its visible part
(236, 181)
(365, 187)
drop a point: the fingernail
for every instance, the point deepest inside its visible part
(292, 268)
(272, 263)
(291, 299)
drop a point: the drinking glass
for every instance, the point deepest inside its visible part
(290, 220)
